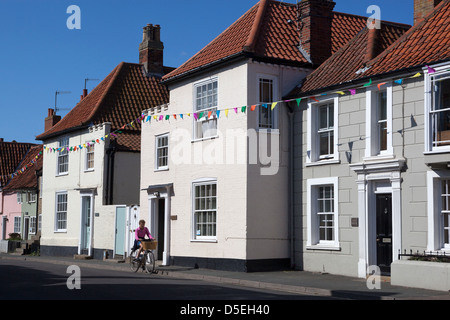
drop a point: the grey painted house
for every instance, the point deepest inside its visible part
(372, 150)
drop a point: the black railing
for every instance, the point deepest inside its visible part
(434, 256)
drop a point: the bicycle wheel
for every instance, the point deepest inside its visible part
(150, 262)
(134, 264)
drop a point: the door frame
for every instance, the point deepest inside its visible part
(87, 194)
(154, 194)
(381, 177)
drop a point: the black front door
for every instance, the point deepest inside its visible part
(161, 220)
(384, 233)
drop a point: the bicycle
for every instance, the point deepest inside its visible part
(147, 259)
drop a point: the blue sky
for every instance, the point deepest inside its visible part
(39, 55)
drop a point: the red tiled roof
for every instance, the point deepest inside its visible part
(427, 42)
(28, 179)
(264, 32)
(11, 155)
(119, 99)
(343, 65)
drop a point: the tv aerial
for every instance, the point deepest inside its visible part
(56, 100)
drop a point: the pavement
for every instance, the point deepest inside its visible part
(289, 281)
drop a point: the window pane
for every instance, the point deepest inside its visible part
(382, 106)
(323, 117)
(441, 119)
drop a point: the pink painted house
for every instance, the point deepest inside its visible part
(12, 155)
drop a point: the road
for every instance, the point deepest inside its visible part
(33, 280)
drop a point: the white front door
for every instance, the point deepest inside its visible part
(86, 224)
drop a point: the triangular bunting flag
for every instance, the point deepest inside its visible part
(273, 105)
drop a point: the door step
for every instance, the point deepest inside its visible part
(82, 257)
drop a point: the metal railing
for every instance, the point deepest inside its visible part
(434, 256)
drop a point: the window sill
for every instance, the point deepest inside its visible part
(324, 247)
(438, 151)
(161, 169)
(379, 157)
(204, 139)
(204, 240)
(322, 162)
(268, 131)
(89, 170)
(62, 174)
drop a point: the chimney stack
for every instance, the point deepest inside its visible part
(51, 119)
(85, 93)
(423, 8)
(315, 29)
(373, 47)
(151, 50)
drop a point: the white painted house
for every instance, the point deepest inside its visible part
(216, 160)
(91, 164)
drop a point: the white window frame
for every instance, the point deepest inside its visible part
(62, 143)
(372, 134)
(313, 232)
(89, 151)
(204, 119)
(19, 197)
(158, 148)
(32, 225)
(17, 224)
(57, 211)
(195, 236)
(434, 203)
(313, 152)
(275, 115)
(441, 69)
(31, 196)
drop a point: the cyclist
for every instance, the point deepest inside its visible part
(140, 234)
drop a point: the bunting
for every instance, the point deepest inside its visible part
(216, 113)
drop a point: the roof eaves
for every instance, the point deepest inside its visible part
(229, 59)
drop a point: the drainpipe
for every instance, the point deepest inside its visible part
(291, 185)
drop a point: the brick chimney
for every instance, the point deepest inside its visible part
(84, 95)
(315, 19)
(423, 8)
(51, 119)
(151, 50)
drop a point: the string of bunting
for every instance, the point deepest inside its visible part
(217, 113)
(24, 168)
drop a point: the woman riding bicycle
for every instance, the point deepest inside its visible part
(140, 234)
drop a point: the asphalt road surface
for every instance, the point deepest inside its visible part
(31, 280)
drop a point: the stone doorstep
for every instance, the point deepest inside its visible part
(82, 257)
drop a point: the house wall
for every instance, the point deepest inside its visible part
(190, 161)
(29, 209)
(411, 225)
(253, 204)
(11, 209)
(78, 181)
